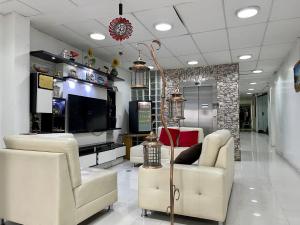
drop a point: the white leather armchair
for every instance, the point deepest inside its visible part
(42, 184)
(205, 188)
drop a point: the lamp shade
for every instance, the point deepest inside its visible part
(176, 106)
(152, 152)
(140, 74)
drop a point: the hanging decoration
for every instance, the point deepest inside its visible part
(120, 28)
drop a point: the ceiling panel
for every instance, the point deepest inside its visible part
(168, 63)
(163, 52)
(197, 57)
(182, 45)
(204, 15)
(282, 31)
(247, 36)
(85, 28)
(168, 15)
(269, 65)
(139, 32)
(285, 9)
(246, 51)
(275, 51)
(231, 7)
(247, 66)
(44, 6)
(216, 58)
(212, 41)
(19, 7)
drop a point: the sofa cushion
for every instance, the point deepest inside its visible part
(190, 155)
(200, 130)
(164, 139)
(211, 146)
(51, 143)
(188, 138)
(95, 184)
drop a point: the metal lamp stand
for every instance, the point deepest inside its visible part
(173, 189)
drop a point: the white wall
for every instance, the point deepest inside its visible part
(285, 110)
(42, 41)
(1, 74)
(14, 78)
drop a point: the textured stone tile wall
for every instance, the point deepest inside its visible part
(227, 79)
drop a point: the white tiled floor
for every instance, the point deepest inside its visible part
(266, 192)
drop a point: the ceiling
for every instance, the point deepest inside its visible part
(208, 31)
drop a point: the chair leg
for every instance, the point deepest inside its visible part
(144, 212)
(110, 207)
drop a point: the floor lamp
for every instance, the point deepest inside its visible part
(176, 113)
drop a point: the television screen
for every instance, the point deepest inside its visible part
(86, 114)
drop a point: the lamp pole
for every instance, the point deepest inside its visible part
(173, 189)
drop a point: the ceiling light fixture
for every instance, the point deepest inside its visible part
(151, 67)
(245, 57)
(163, 26)
(97, 36)
(252, 83)
(247, 12)
(193, 62)
(250, 89)
(257, 214)
(249, 94)
(257, 71)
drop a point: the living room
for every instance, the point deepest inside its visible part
(149, 112)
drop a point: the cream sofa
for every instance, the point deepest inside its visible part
(137, 155)
(204, 189)
(42, 184)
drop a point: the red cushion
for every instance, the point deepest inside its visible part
(188, 138)
(163, 138)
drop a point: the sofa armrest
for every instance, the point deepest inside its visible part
(202, 190)
(36, 188)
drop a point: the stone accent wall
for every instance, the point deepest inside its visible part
(227, 79)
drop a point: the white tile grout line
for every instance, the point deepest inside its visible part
(226, 28)
(265, 31)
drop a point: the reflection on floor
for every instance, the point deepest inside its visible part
(266, 191)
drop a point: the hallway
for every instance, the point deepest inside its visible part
(266, 188)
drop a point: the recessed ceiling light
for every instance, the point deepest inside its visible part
(53, 58)
(254, 201)
(163, 26)
(253, 83)
(251, 188)
(97, 36)
(257, 71)
(257, 214)
(250, 89)
(193, 62)
(249, 94)
(151, 67)
(245, 57)
(247, 12)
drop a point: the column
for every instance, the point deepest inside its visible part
(15, 74)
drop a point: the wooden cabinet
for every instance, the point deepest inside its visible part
(131, 140)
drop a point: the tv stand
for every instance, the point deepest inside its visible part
(99, 153)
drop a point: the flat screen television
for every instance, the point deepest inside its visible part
(86, 114)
